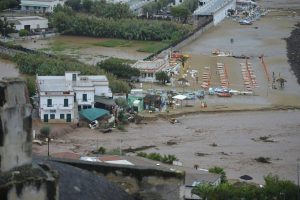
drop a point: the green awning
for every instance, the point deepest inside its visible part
(93, 113)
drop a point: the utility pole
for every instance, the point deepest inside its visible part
(298, 179)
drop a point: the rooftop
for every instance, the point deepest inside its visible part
(192, 179)
(211, 7)
(53, 84)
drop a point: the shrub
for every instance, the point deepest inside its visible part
(45, 131)
(168, 159)
(23, 33)
(142, 154)
(101, 150)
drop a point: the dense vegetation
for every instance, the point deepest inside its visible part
(118, 68)
(67, 22)
(40, 64)
(184, 10)
(6, 27)
(274, 188)
(162, 77)
(101, 8)
(6, 4)
(155, 6)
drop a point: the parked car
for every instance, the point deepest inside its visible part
(94, 124)
(245, 22)
(200, 94)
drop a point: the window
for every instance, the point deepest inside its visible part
(49, 102)
(52, 116)
(73, 77)
(84, 107)
(45, 118)
(62, 116)
(84, 97)
(66, 103)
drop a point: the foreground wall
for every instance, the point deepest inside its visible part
(15, 124)
(139, 181)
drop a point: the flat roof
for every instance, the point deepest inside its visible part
(192, 179)
(211, 7)
(53, 84)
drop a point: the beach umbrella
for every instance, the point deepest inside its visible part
(246, 177)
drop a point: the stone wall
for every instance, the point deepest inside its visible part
(139, 181)
(15, 124)
(29, 182)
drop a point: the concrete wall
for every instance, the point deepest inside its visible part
(221, 14)
(142, 182)
(15, 124)
(19, 179)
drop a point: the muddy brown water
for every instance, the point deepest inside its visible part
(84, 48)
(236, 137)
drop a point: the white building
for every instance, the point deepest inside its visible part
(29, 23)
(216, 8)
(40, 6)
(61, 97)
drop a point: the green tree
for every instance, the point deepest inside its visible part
(31, 86)
(6, 4)
(219, 170)
(121, 102)
(87, 4)
(162, 77)
(204, 191)
(6, 27)
(191, 5)
(23, 32)
(279, 189)
(119, 69)
(74, 4)
(180, 12)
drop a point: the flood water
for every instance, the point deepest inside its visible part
(84, 49)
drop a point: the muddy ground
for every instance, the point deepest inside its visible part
(228, 140)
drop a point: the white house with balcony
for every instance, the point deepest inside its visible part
(40, 6)
(61, 97)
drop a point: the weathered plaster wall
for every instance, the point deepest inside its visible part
(142, 182)
(15, 124)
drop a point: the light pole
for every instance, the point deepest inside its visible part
(298, 179)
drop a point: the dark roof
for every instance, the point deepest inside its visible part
(105, 101)
(191, 179)
(75, 183)
(93, 113)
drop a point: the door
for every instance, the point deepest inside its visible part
(45, 118)
(68, 117)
